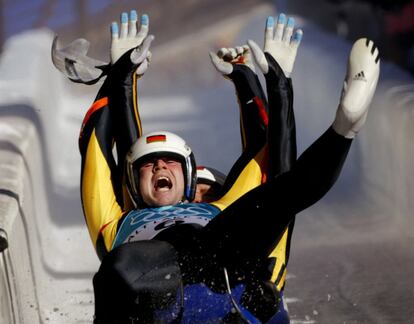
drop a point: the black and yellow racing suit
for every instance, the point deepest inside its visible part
(111, 122)
(253, 217)
(254, 120)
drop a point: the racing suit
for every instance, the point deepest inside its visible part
(240, 231)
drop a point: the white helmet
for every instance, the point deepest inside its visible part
(210, 175)
(160, 144)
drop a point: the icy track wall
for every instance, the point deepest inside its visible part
(27, 87)
(34, 267)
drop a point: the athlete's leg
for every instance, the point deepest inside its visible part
(248, 226)
(254, 224)
(134, 281)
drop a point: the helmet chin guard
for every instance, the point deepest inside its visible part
(160, 144)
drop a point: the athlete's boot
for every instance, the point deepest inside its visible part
(359, 88)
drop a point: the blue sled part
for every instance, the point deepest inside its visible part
(202, 305)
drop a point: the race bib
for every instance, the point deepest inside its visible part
(146, 223)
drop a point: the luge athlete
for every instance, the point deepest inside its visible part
(283, 44)
(253, 108)
(209, 184)
(237, 239)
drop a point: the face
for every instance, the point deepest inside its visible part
(205, 193)
(161, 182)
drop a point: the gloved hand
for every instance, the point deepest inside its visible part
(75, 64)
(130, 37)
(279, 43)
(73, 61)
(359, 88)
(226, 58)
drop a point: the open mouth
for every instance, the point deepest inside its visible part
(163, 184)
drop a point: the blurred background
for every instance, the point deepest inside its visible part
(389, 23)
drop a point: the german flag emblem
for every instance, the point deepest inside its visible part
(156, 138)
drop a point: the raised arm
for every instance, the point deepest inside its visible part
(130, 57)
(236, 64)
(112, 119)
(276, 63)
(274, 148)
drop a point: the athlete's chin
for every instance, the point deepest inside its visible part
(164, 198)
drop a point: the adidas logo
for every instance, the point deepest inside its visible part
(360, 76)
